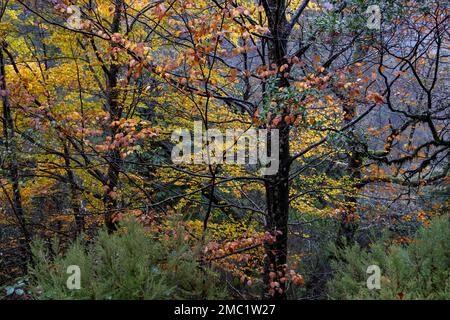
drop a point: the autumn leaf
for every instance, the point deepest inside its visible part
(374, 97)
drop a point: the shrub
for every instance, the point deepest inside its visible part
(125, 265)
(420, 270)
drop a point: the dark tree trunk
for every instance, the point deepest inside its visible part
(277, 186)
(13, 167)
(349, 222)
(115, 110)
(74, 194)
(277, 194)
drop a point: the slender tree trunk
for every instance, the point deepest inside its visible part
(114, 159)
(277, 197)
(74, 194)
(9, 143)
(277, 186)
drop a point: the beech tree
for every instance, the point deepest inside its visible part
(93, 90)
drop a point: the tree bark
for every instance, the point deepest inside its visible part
(74, 194)
(10, 148)
(349, 220)
(277, 197)
(277, 186)
(113, 156)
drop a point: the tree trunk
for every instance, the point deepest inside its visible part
(9, 143)
(74, 194)
(277, 186)
(114, 159)
(277, 197)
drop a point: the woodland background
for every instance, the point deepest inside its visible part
(89, 103)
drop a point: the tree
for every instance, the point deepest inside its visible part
(95, 91)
